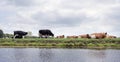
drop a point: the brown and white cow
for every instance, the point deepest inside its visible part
(98, 35)
(110, 36)
(84, 36)
(61, 36)
(72, 36)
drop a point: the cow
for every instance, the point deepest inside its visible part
(61, 36)
(19, 34)
(110, 36)
(45, 33)
(72, 36)
(84, 36)
(98, 35)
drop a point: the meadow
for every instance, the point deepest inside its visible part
(61, 43)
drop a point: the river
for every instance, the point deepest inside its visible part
(58, 55)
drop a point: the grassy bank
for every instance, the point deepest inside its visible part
(61, 43)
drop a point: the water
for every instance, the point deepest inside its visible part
(58, 55)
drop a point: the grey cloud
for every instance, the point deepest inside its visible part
(69, 21)
(79, 4)
(106, 1)
(5, 14)
(114, 14)
(58, 20)
(113, 18)
(52, 17)
(22, 3)
(25, 3)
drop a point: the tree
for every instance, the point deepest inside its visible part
(1, 34)
(6, 35)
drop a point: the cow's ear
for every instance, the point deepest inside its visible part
(105, 33)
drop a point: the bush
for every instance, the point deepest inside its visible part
(1, 34)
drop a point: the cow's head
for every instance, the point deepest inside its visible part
(52, 35)
(25, 33)
(105, 33)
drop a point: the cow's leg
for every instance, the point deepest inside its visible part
(15, 36)
(46, 36)
(23, 37)
(40, 35)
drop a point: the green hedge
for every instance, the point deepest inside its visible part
(51, 42)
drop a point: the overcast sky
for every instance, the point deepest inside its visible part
(68, 17)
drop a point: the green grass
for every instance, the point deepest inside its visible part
(69, 43)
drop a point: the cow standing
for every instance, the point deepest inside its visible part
(61, 36)
(98, 35)
(85, 36)
(72, 36)
(45, 33)
(19, 34)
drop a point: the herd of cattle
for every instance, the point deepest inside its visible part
(42, 34)
(45, 33)
(89, 36)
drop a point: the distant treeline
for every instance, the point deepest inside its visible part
(1, 34)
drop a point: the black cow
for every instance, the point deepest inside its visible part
(19, 34)
(45, 33)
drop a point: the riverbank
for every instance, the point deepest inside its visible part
(60, 43)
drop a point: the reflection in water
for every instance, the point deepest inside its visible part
(23, 55)
(113, 55)
(96, 56)
(46, 55)
(58, 55)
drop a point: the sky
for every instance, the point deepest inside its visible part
(68, 17)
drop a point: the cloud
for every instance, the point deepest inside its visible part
(112, 19)
(20, 2)
(61, 16)
(56, 19)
